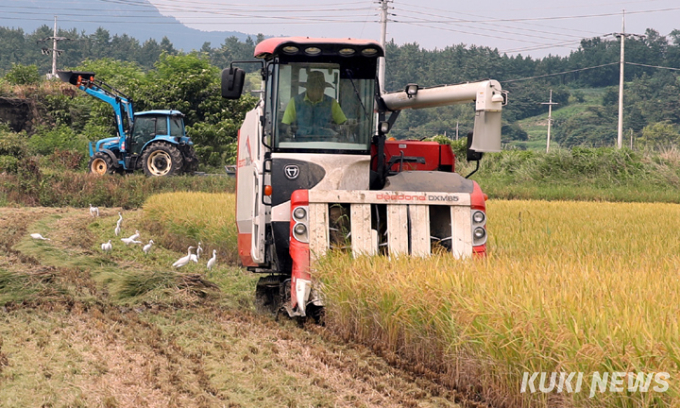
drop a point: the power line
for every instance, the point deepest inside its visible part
(458, 21)
(652, 66)
(422, 20)
(558, 73)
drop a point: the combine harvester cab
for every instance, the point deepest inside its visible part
(338, 183)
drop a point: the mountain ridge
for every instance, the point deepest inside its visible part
(139, 19)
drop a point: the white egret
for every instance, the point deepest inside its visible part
(38, 236)
(94, 211)
(212, 261)
(184, 260)
(199, 250)
(107, 246)
(147, 247)
(135, 235)
(130, 240)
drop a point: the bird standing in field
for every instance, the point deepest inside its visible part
(212, 261)
(199, 250)
(107, 246)
(184, 260)
(147, 247)
(94, 211)
(38, 236)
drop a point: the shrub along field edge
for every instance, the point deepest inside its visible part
(33, 187)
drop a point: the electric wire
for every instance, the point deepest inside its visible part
(558, 73)
(652, 66)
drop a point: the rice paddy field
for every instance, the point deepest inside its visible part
(568, 287)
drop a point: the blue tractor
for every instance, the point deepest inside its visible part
(153, 141)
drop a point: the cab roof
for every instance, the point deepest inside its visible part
(170, 112)
(274, 46)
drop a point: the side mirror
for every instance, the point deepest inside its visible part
(472, 155)
(233, 80)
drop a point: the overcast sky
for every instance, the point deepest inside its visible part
(519, 26)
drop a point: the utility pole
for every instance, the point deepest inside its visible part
(622, 35)
(383, 35)
(54, 51)
(550, 104)
(631, 139)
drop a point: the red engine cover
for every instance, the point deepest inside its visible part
(437, 157)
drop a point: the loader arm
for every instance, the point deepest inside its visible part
(121, 104)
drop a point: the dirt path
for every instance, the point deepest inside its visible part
(69, 336)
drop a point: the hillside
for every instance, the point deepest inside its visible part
(537, 126)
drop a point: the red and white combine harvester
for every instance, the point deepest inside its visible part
(321, 175)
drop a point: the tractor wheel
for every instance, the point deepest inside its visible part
(161, 159)
(101, 164)
(190, 160)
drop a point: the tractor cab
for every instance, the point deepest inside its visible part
(157, 124)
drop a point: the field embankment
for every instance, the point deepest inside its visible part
(580, 174)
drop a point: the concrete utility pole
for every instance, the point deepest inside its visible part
(383, 35)
(54, 51)
(550, 104)
(622, 35)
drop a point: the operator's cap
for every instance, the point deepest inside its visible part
(316, 79)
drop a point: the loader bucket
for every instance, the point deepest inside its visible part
(72, 76)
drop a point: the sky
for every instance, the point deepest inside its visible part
(528, 27)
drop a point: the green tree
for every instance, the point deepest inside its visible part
(660, 135)
(23, 75)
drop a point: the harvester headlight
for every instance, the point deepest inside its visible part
(300, 229)
(346, 52)
(290, 49)
(369, 52)
(299, 213)
(313, 50)
(479, 233)
(478, 217)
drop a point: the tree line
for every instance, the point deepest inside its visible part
(651, 93)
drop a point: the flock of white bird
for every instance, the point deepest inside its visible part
(132, 239)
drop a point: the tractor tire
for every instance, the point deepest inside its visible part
(101, 164)
(190, 160)
(162, 159)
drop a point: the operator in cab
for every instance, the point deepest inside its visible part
(312, 113)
